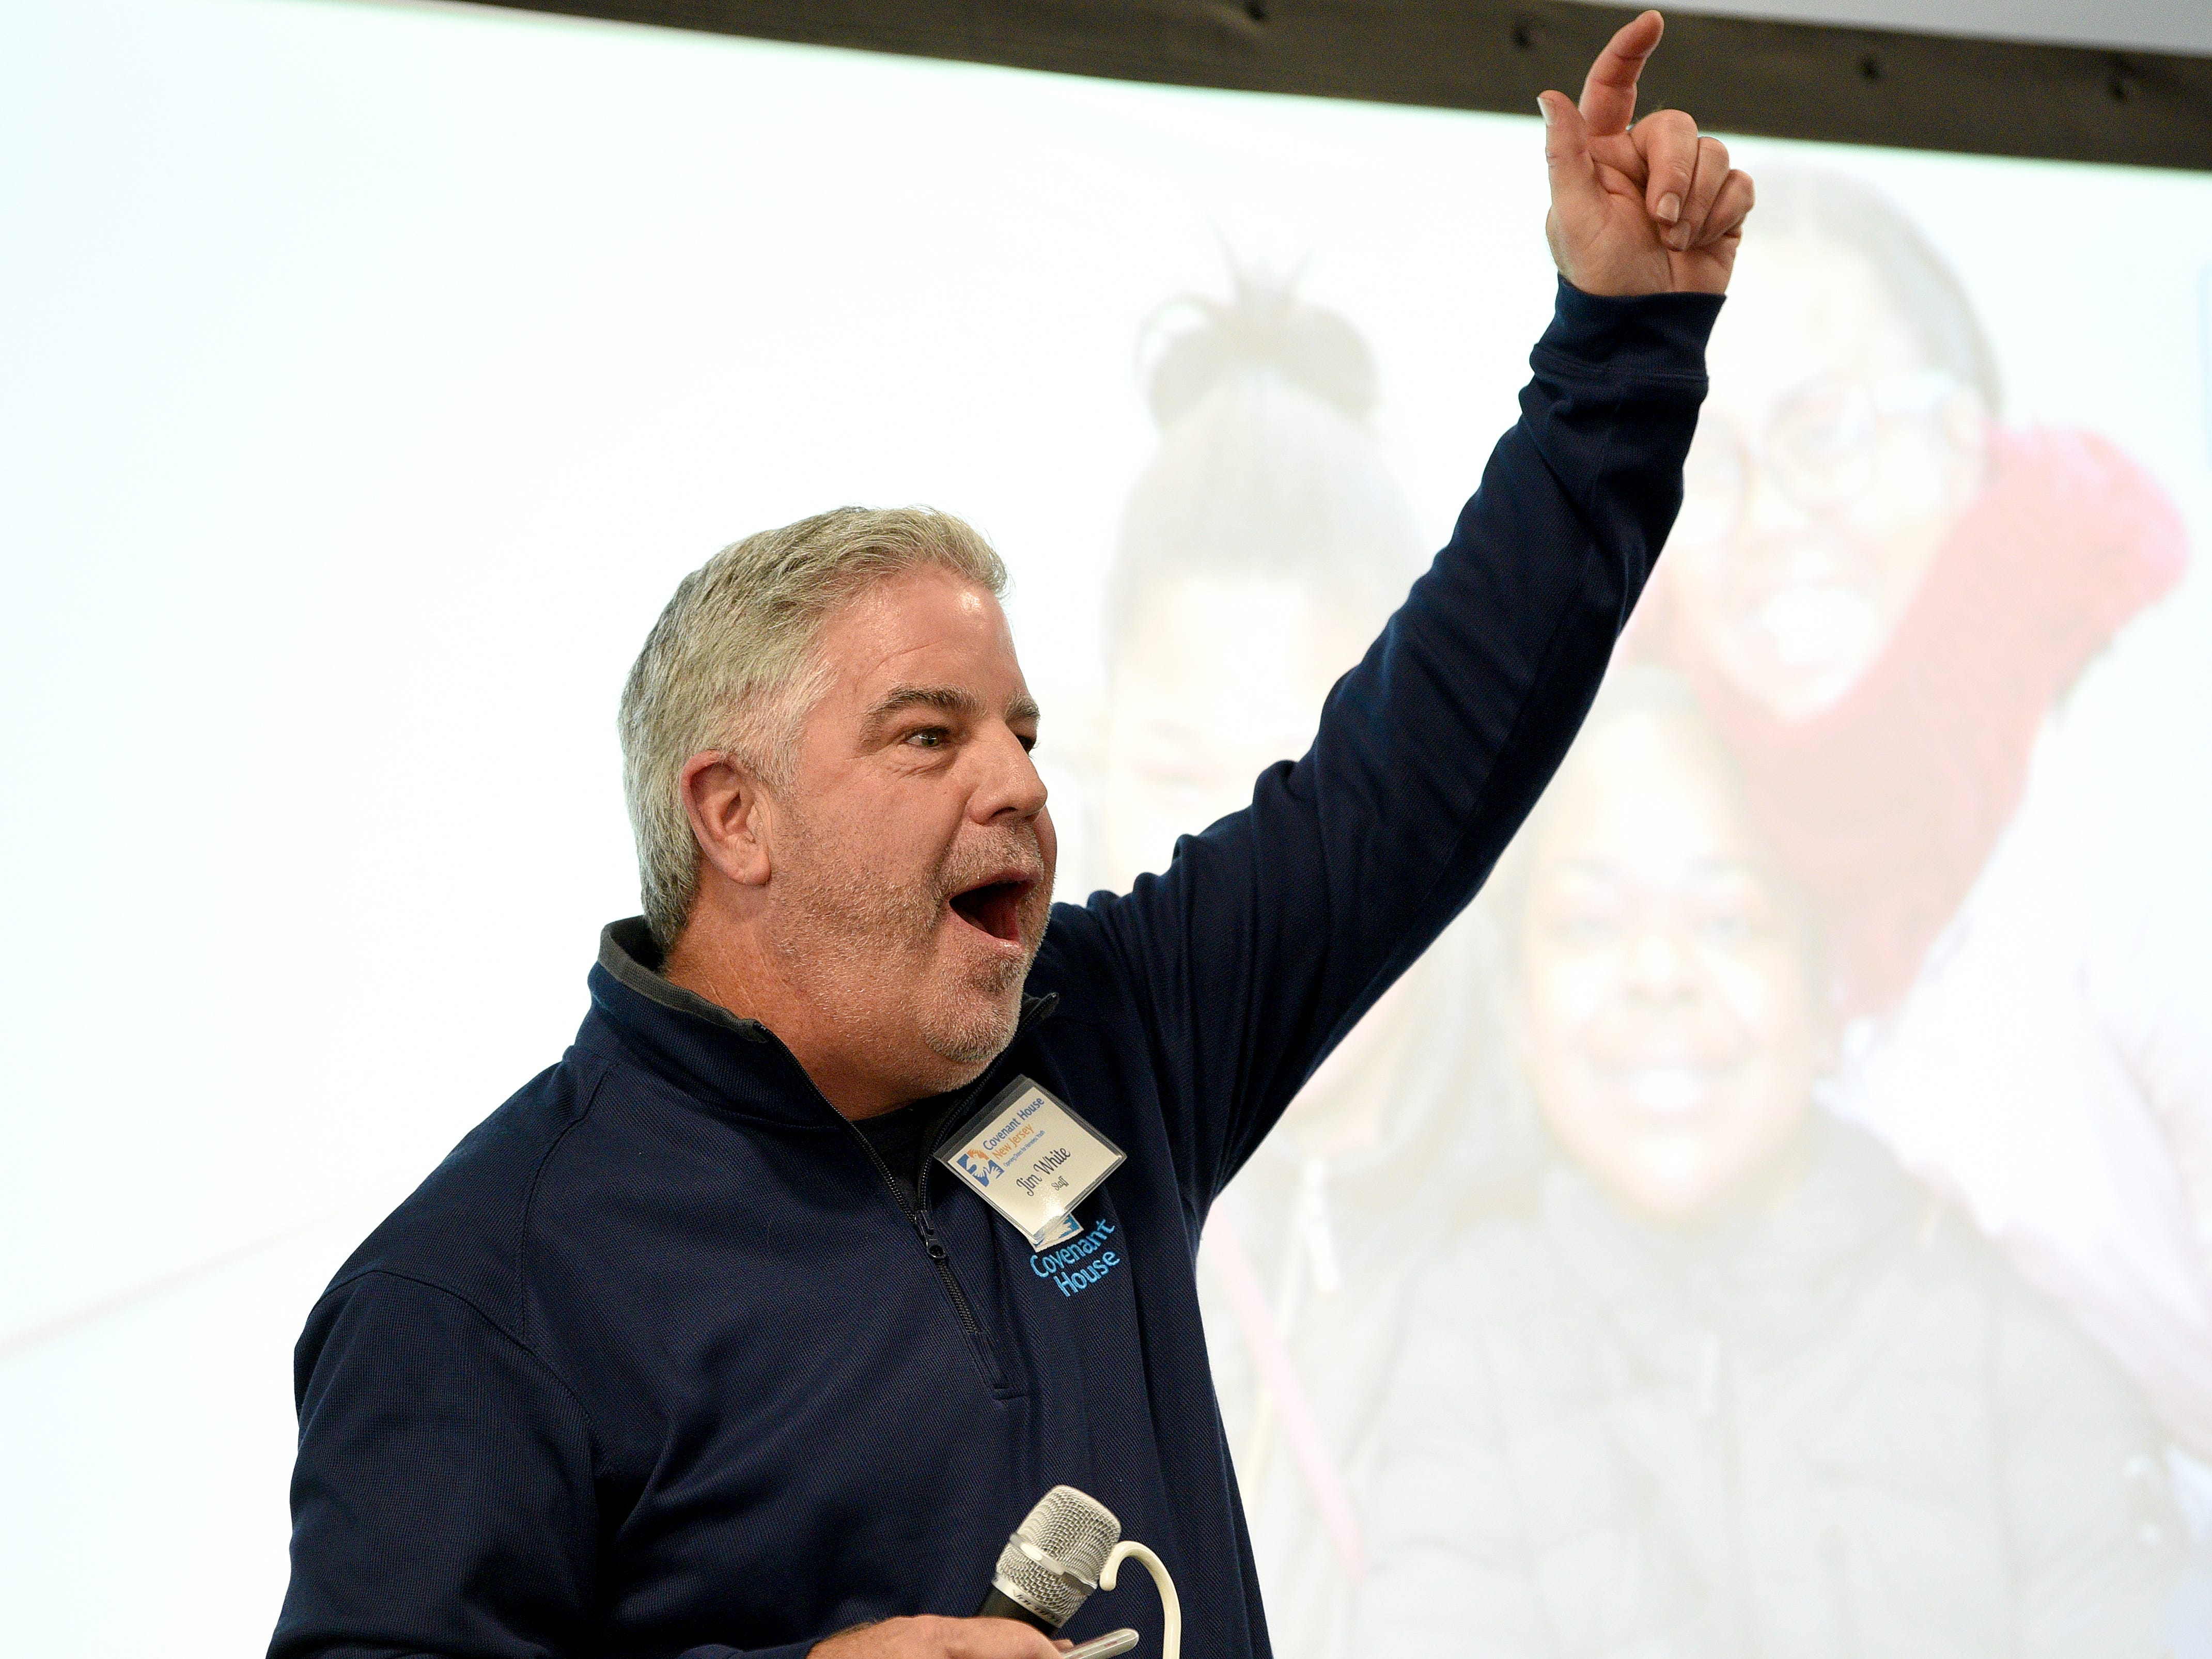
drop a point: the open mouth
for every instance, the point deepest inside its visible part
(1811, 625)
(994, 907)
(1665, 1089)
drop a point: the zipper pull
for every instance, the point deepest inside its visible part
(930, 1242)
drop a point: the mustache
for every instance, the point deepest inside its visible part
(992, 855)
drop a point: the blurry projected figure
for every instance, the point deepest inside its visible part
(1727, 1385)
(1260, 550)
(1883, 597)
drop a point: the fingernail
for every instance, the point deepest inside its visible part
(1544, 109)
(1670, 208)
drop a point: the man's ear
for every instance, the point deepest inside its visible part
(729, 816)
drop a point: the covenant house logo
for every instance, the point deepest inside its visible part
(1075, 1268)
(980, 1165)
(984, 1161)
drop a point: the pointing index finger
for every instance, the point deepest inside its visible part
(1608, 99)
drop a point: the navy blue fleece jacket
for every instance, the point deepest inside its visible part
(658, 1362)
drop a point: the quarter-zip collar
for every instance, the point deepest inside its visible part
(720, 1057)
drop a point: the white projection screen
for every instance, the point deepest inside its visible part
(1777, 1220)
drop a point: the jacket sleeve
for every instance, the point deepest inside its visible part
(444, 1501)
(1271, 932)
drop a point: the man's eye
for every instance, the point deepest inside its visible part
(1028, 742)
(930, 737)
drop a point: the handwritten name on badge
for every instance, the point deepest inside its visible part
(1033, 1160)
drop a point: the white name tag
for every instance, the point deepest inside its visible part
(1032, 1160)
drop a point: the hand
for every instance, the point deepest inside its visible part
(1652, 208)
(940, 1638)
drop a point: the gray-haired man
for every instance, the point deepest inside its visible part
(691, 1347)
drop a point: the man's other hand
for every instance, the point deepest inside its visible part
(1647, 209)
(940, 1638)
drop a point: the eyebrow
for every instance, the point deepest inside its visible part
(950, 698)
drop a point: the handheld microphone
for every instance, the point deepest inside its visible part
(1052, 1560)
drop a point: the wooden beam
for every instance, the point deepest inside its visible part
(1781, 80)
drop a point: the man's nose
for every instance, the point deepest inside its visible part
(1010, 784)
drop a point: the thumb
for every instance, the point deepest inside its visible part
(1567, 156)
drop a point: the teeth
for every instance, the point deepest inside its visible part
(1668, 1089)
(1815, 625)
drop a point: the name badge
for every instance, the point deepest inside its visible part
(1033, 1160)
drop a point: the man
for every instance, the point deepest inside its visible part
(689, 1348)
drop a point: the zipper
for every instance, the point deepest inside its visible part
(917, 1216)
(919, 1211)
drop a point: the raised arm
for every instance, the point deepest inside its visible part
(1271, 932)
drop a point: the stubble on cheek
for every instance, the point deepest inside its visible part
(847, 935)
(871, 948)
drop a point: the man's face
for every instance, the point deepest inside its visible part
(912, 854)
(1673, 1029)
(1829, 465)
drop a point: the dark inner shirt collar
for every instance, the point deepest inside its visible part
(626, 952)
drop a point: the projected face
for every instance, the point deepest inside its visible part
(1829, 463)
(1672, 1027)
(913, 854)
(1219, 678)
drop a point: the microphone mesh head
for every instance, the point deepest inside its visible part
(1077, 1531)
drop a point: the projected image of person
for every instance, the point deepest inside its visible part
(1728, 1383)
(1885, 597)
(1263, 546)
